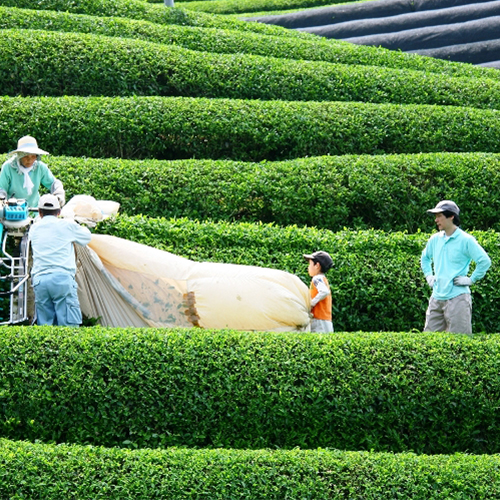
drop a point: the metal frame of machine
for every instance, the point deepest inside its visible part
(14, 259)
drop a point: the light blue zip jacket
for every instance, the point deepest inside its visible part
(451, 257)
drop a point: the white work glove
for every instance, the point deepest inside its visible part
(431, 279)
(62, 200)
(57, 190)
(462, 281)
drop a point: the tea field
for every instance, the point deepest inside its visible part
(233, 141)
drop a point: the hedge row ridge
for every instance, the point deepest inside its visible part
(387, 192)
(80, 64)
(232, 41)
(250, 6)
(137, 9)
(99, 473)
(430, 393)
(174, 128)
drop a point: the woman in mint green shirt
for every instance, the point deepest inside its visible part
(23, 173)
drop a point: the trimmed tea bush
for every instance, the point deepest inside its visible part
(79, 64)
(388, 192)
(376, 281)
(231, 41)
(137, 9)
(430, 393)
(245, 6)
(100, 473)
(171, 128)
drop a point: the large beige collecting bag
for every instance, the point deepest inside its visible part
(129, 284)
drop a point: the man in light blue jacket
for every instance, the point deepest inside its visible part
(445, 262)
(54, 266)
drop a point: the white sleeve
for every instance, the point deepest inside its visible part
(82, 234)
(323, 289)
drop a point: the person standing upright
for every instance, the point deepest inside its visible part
(321, 297)
(445, 262)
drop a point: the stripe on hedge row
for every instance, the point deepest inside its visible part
(172, 128)
(80, 64)
(429, 393)
(137, 9)
(99, 473)
(388, 192)
(376, 281)
(230, 41)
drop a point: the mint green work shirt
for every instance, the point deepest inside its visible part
(451, 257)
(12, 180)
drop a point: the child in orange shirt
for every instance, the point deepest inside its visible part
(321, 296)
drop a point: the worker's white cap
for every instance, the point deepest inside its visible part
(49, 202)
(28, 144)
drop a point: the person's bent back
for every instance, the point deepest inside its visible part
(54, 265)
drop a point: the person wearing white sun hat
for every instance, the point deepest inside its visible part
(24, 172)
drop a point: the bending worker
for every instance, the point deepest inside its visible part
(22, 174)
(54, 266)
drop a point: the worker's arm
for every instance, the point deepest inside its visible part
(480, 257)
(81, 234)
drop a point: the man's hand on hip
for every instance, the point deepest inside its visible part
(462, 281)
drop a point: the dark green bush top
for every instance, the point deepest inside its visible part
(430, 393)
(376, 281)
(99, 473)
(241, 6)
(388, 192)
(137, 9)
(172, 128)
(80, 64)
(231, 41)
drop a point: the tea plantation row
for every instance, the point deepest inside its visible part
(429, 393)
(80, 64)
(388, 192)
(86, 472)
(231, 41)
(376, 281)
(170, 127)
(139, 10)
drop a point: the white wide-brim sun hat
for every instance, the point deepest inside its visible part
(28, 144)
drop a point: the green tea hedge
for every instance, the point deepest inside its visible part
(170, 128)
(99, 473)
(80, 64)
(232, 41)
(429, 393)
(137, 9)
(376, 281)
(244, 6)
(388, 192)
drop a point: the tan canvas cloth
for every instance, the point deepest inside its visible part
(129, 284)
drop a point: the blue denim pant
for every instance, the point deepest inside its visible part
(56, 300)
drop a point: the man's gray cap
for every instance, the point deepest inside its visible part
(445, 206)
